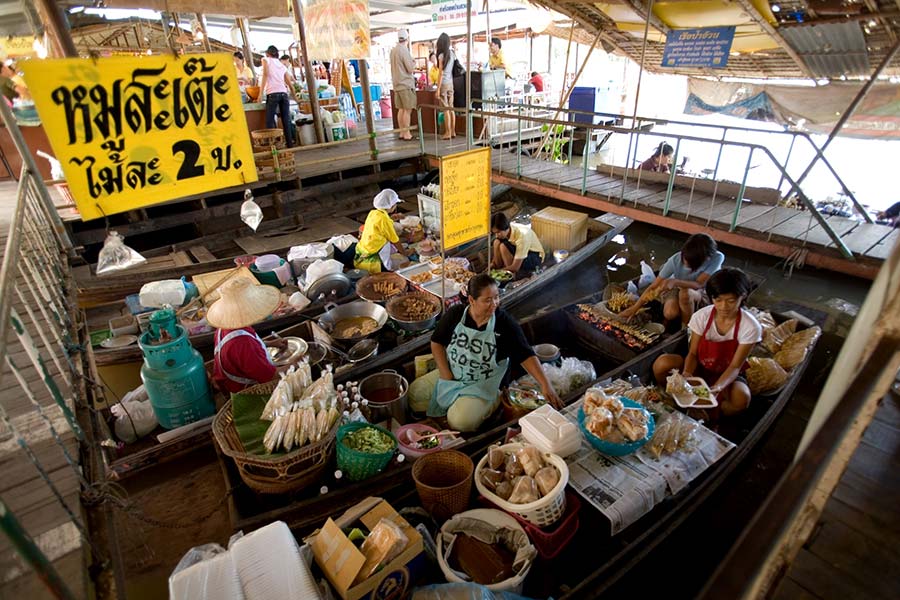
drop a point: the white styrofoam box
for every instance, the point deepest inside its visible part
(211, 579)
(269, 565)
(550, 431)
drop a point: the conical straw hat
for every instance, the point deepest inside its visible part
(242, 304)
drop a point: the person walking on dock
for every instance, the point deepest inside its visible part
(404, 82)
(278, 89)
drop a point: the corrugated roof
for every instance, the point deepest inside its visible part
(831, 50)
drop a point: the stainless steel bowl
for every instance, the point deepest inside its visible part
(296, 348)
(359, 308)
(414, 326)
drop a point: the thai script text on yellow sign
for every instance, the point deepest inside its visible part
(465, 197)
(137, 131)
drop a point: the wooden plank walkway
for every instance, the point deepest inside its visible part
(853, 550)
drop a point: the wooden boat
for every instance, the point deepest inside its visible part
(306, 509)
(394, 349)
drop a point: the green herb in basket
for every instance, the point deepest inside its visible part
(369, 440)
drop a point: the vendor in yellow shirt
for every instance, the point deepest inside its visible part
(516, 247)
(496, 60)
(434, 72)
(373, 252)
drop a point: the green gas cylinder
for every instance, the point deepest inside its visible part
(173, 373)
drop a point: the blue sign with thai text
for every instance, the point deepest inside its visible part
(707, 47)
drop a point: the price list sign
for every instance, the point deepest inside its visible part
(465, 197)
(138, 131)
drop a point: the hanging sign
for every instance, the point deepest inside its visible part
(708, 47)
(17, 47)
(465, 197)
(137, 131)
(337, 28)
(450, 11)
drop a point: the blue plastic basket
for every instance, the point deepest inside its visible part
(611, 448)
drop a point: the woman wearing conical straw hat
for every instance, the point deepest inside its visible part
(241, 358)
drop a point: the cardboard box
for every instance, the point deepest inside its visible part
(341, 560)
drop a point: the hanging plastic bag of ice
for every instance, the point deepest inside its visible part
(251, 213)
(115, 255)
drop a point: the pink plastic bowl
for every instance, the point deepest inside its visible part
(414, 453)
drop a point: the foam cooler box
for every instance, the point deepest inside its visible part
(560, 229)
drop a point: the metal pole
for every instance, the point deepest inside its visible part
(519, 145)
(245, 37)
(740, 197)
(29, 165)
(584, 164)
(367, 100)
(719, 155)
(787, 159)
(846, 117)
(637, 95)
(29, 551)
(57, 28)
(206, 44)
(672, 170)
(310, 76)
(468, 74)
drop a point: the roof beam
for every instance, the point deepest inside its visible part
(760, 20)
(872, 5)
(884, 14)
(640, 9)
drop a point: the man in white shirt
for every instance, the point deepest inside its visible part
(404, 83)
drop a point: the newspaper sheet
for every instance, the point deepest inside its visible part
(625, 488)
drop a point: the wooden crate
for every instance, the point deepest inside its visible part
(559, 228)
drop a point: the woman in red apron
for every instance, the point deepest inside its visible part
(722, 336)
(241, 357)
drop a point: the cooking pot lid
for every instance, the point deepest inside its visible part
(333, 286)
(295, 349)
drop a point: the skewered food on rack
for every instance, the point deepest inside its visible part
(619, 302)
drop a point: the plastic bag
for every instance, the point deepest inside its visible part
(115, 255)
(298, 301)
(321, 268)
(205, 572)
(342, 242)
(461, 591)
(631, 288)
(314, 250)
(157, 294)
(134, 416)
(56, 170)
(647, 276)
(251, 213)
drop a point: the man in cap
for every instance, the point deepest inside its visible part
(402, 68)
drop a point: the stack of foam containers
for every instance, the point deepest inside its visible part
(549, 431)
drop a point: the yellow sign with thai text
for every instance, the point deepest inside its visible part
(137, 131)
(465, 197)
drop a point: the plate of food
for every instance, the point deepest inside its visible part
(695, 394)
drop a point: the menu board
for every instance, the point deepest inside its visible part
(465, 197)
(136, 131)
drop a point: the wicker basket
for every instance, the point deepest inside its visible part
(358, 465)
(263, 139)
(289, 473)
(444, 482)
(365, 287)
(278, 164)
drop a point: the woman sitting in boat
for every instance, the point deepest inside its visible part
(722, 336)
(661, 159)
(680, 282)
(516, 247)
(241, 358)
(373, 252)
(473, 345)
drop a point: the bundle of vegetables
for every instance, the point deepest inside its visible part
(301, 412)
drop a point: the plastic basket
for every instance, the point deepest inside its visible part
(444, 482)
(544, 512)
(611, 448)
(291, 472)
(553, 540)
(358, 465)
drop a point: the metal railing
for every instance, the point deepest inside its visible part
(37, 350)
(590, 128)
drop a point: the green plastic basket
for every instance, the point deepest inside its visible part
(357, 465)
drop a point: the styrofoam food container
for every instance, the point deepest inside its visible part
(267, 262)
(690, 400)
(550, 431)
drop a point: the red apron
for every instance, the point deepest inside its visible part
(714, 357)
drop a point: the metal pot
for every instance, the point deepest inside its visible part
(359, 308)
(386, 392)
(413, 326)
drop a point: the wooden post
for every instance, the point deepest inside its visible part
(245, 37)
(61, 43)
(367, 102)
(310, 75)
(206, 44)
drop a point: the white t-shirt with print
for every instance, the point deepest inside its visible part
(749, 333)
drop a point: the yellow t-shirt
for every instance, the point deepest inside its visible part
(433, 74)
(378, 231)
(525, 240)
(496, 62)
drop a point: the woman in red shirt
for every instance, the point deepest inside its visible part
(241, 357)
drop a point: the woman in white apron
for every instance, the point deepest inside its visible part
(241, 358)
(473, 345)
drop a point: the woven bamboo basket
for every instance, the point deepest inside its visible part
(444, 482)
(281, 164)
(284, 474)
(263, 139)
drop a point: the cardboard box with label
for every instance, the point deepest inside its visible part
(341, 560)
